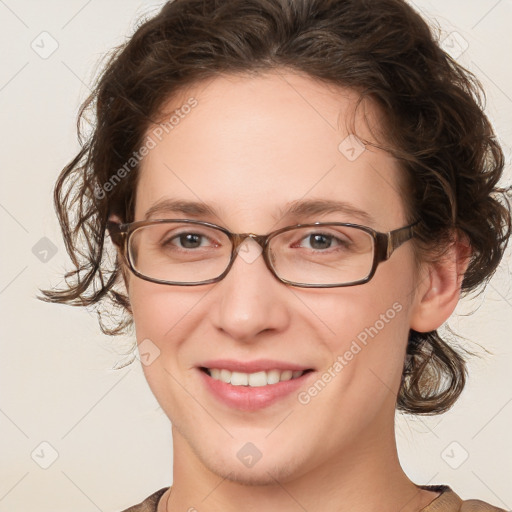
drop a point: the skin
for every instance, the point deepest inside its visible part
(251, 146)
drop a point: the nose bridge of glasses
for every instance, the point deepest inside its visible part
(240, 238)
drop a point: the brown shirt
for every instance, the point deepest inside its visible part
(447, 501)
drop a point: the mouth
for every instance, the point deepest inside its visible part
(250, 386)
(255, 379)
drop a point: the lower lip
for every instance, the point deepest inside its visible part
(247, 398)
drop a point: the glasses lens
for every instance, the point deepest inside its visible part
(179, 252)
(322, 255)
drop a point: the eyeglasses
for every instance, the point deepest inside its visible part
(319, 255)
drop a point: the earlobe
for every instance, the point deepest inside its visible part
(438, 290)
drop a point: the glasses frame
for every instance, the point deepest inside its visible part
(384, 243)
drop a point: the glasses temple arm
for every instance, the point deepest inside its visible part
(399, 236)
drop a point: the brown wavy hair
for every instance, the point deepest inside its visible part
(432, 114)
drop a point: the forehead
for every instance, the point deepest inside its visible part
(251, 146)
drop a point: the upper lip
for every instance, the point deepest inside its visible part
(257, 365)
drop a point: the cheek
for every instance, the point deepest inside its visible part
(157, 309)
(163, 318)
(148, 307)
(167, 320)
(370, 333)
(375, 308)
(369, 327)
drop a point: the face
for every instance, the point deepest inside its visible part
(249, 149)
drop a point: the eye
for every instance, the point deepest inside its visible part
(189, 240)
(322, 241)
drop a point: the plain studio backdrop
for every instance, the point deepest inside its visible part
(78, 435)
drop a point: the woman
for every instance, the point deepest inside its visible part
(297, 192)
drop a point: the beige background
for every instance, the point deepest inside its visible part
(111, 442)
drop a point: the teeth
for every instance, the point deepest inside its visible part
(286, 375)
(225, 376)
(273, 376)
(257, 379)
(239, 379)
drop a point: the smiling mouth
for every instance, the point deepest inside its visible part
(256, 379)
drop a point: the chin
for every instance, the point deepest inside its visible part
(265, 474)
(241, 462)
(230, 464)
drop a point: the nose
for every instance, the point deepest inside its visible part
(250, 300)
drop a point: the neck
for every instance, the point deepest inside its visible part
(365, 476)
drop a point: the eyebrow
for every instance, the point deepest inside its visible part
(298, 209)
(191, 208)
(312, 207)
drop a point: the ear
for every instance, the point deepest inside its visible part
(124, 270)
(438, 291)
